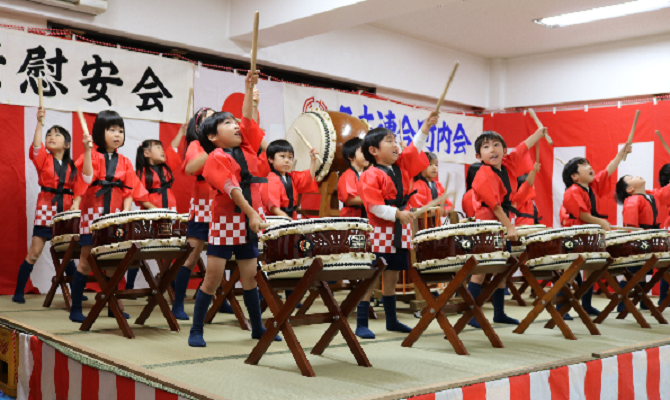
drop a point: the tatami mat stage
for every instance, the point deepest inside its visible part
(397, 372)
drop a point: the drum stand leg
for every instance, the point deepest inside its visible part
(227, 291)
(163, 266)
(311, 298)
(60, 279)
(516, 294)
(622, 294)
(640, 294)
(545, 298)
(664, 304)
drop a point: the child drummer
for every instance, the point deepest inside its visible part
(347, 184)
(385, 191)
(494, 186)
(427, 187)
(583, 188)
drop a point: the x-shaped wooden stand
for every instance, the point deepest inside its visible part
(163, 266)
(561, 283)
(632, 293)
(227, 291)
(436, 307)
(61, 260)
(664, 304)
(315, 276)
(110, 294)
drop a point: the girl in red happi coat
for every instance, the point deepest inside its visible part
(59, 180)
(347, 184)
(111, 179)
(469, 196)
(426, 186)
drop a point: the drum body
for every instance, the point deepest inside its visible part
(180, 225)
(341, 243)
(447, 248)
(64, 227)
(555, 249)
(327, 131)
(522, 231)
(114, 234)
(635, 248)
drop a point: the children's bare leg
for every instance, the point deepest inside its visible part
(184, 276)
(36, 247)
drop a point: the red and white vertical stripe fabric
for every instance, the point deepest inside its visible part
(47, 374)
(640, 375)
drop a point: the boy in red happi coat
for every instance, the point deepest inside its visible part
(347, 184)
(495, 187)
(385, 191)
(583, 188)
(524, 199)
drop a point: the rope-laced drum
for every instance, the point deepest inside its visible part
(555, 249)
(152, 229)
(64, 227)
(326, 131)
(633, 249)
(518, 246)
(447, 248)
(341, 243)
(180, 225)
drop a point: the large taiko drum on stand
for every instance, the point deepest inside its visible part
(341, 243)
(447, 248)
(633, 249)
(64, 227)
(327, 131)
(115, 233)
(522, 231)
(555, 249)
(180, 225)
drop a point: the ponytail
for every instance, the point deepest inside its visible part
(142, 165)
(194, 126)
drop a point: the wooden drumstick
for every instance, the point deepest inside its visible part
(632, 132)
(190, 104)
(431, 204)
(561, 161)
(451, 78)
(626, 228)
(665, 145)
(40, 92)
(265, 225)
(84, 127)
(304, 139)
(539, 125)
(254, 43)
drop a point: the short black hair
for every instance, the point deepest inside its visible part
(521, 179)
(106, 119)
(571, 167)
(488, 136)
(372, 139)
(470, 176)
(431, 157)
(67, 159)
(278, 146)
(349, 149)
(194, 124)
(209, 127)
(620, 194)
(664, 175)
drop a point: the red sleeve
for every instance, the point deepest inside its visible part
(276, 191)
(662, 195)
(251, 133)
(440, 191)
(412, 160)
(422, 195)
(172, 159)
(263, 166)
(193, 151)
(631, 210)
(525, 194)
(371, 188)
(79, 187)
(40, 159)
(139, 192)
(347, 186)
(602, 184)
(574, 203)
(488, 188)
(217, 170)
(95, 160)
(468, 207)
(519, 162)
(303, 182)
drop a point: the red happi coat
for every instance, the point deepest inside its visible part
(277, 196)
(525, 204)
(160, 193)
(376, 187)
(489, 189)
(469, 203)
(263, 165)
(48, 180)
(347, 189)
(92, 204)
(201, 194)
(576, 198)
(228, 227)
(638, 210)
(424, 196)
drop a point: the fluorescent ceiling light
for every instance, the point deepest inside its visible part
(595, 14)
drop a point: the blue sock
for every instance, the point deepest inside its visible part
(362, 315)
(253, 304)
(24, 274)
(664, 290)
(180, 286)
(392, 323)
(499, 315)
(202, 302)
(69, 271)
(620, 307)
(130, 278)
(475, 290)
(226, 308)
(110, 314)
(79, 281)
(288, 293)
(586, 302)
(566, 316)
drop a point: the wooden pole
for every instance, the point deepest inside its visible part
(84, 127)
(254, 43)
(632, 133)
(451, 78)
(40, 92)
(665, 145)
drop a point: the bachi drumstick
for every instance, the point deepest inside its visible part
(665, 145)
(632, 132)
(304, 139)
(433, 203)
(40, 92)
(84, 127)
(451, 78)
